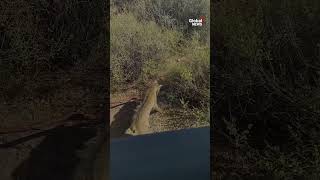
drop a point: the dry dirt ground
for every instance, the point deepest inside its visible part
(55, 153)
(124, 105)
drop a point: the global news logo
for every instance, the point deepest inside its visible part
(197, 22)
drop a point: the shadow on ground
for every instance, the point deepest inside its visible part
(55, 157)
(123, 120)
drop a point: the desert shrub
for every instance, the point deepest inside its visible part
(171, 14)
(266, 74)
(134, 45)
(189, 75)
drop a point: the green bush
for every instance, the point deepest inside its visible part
(135, 45)
(171, 14)
(190, 76)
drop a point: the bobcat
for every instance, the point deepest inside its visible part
(140, 124)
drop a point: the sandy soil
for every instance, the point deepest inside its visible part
(170, 119)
